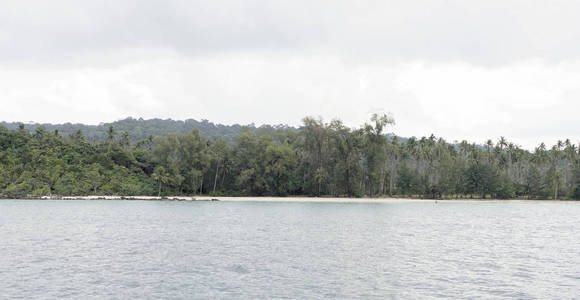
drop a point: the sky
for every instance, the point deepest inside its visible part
(473, 70)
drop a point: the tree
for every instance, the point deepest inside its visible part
(393, 153)
(125, 141)
(161, 176)
(110, 138)
(576, 186)
(219, 151)
(317, 159)
(552, 181)
(505, 188)
(249, 163)
(314, 155)
(166, 153)
(481, 179)
(374, 151)
(94, 176)
(533, 182)
(344, 148)
(408, 181)
(193, 159)
(280, 160)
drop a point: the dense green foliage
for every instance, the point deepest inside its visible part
(139, 129)
(319, 159)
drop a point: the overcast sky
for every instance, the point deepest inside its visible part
(459, 69)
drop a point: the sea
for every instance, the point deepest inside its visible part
(131, 249)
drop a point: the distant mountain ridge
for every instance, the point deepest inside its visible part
(140, 129)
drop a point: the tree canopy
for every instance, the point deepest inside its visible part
(317, 159)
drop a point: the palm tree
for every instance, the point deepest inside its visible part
(110, 138)
(489, 146)
(502, 142)
(162, 176)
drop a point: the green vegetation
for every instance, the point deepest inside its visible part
(318, 159)
(139, 129)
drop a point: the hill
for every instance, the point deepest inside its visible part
(140, 129)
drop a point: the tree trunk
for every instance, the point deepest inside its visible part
(217, 167)
(392, 179)
(382, 186)
(347, 178)
(224, 178)
(391, 184)
(201, 186)
(566, 177)
(362, 183)
(159, 184)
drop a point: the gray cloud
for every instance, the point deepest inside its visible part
(459, 69)
(481, 32)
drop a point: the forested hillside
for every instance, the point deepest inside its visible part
(140, 129)
(319, 159)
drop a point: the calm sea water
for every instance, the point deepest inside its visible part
(213, 250)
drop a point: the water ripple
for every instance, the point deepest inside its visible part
(177, 250)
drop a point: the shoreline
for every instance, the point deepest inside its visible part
(302, 199)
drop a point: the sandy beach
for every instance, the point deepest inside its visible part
(358, 200)
(285, 199)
